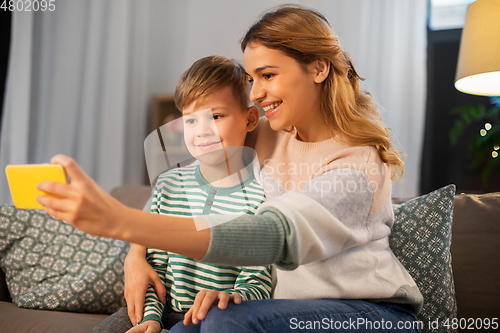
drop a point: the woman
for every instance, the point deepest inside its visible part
(327, 163)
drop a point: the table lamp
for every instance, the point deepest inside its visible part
(478, 69)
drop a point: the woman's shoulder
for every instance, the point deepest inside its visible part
(366, 161)
(363, 159)
(340, 154)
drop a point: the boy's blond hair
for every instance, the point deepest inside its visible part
(207, 76)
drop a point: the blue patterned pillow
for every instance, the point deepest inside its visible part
(50, 265)
(421, 240)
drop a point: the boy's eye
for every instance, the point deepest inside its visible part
(190, 121)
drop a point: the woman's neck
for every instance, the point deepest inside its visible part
(314, 131)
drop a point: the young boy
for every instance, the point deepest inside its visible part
(216, 113)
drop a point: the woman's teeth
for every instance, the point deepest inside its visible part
(271, 106)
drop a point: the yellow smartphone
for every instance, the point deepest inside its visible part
(23, 180)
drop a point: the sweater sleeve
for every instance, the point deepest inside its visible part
(301, 227)
(251, 240)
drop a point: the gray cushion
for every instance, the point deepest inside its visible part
(53, 266)
(421, 239)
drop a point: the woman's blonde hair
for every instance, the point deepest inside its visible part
(305, 35)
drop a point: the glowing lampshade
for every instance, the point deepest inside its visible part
(478, 70)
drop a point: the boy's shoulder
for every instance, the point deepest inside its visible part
(174, 174)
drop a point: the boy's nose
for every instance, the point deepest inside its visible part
(205, 128)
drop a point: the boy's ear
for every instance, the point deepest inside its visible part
(322, 69)
(252, 118)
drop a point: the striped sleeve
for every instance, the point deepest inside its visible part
(154, 202)
(153, 308)
(254, 283)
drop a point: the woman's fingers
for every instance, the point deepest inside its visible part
(70, 166)
(56, 213)
(54, 188)
(82, 203)
(55, 203)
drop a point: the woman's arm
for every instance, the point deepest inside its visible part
(256, 240)
(86, 206)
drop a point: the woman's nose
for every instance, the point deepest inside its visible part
(257, 93)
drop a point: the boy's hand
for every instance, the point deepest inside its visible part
(149, 326)
(207, 299)
(139, 276)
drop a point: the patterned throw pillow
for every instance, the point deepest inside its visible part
(421, 239)
(52, 266)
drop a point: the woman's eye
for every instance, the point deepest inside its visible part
(250, 81)
(267, 76)
(215, 116)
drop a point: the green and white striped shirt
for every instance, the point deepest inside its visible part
(184, 192)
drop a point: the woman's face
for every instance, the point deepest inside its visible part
(285, 90)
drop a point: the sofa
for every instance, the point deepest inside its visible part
(475, 264)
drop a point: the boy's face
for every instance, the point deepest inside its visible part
(214, 123)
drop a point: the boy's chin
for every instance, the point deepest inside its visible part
(213, 159)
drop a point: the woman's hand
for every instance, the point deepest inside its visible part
(207, 299)
(82, 203)
(149, 326)
(139, 276)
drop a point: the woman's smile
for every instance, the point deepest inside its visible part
(271, 109)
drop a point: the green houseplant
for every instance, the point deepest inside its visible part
(484, 146)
